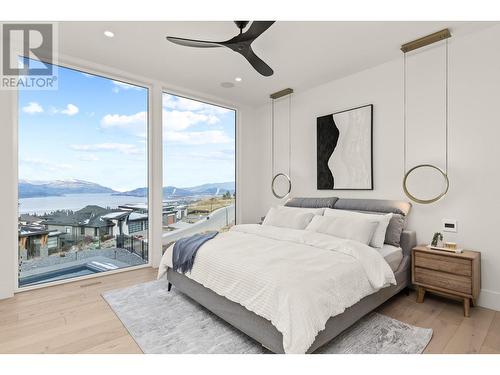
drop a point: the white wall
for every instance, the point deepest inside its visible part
(473, 198)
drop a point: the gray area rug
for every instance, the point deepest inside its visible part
(171, 323)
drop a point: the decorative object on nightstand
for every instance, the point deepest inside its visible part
(437, 239)
(447, 246)
(455, 275)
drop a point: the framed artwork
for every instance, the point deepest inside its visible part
(345, 150)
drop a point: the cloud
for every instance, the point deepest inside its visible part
(45, 164)
(179, 114)
(134, 124)
(124, 86)
(181, 120)
(33, 107)
(124, 148)
(70, 110)
(124, 121)
(197, 138)
(184, 104)
(90, 157)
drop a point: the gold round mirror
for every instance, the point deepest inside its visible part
(430, 181)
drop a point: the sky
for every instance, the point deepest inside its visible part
(95, 129)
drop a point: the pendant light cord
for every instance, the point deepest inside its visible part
(446, 106)
(404, 113)
(446, 109)
(272, 138)
(289, 136)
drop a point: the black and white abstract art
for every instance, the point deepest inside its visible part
(344, 150)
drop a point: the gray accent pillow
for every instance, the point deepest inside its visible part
(312, 202)
(374, 205)
(394, 230)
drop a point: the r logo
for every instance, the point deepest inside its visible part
(25, 44)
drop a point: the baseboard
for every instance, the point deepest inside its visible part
(489, 299)
(6, 295)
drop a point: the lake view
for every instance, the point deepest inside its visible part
(40, 205)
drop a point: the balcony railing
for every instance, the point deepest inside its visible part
(133, 244)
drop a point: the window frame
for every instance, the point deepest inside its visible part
(168, 91)
(155, 87)
(94, 69)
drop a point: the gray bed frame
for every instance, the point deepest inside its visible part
(262, 330)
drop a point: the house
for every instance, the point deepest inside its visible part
(169, 214)
(181, 212)
(37, 241)
(87, 222)
(119, 220)
(27, 219)
(127, 222)
(137, 222)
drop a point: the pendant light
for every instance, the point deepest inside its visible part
(276, 176)
(419, 43)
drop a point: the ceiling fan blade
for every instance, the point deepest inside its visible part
(256, 29)
(193, 42)
(256, 62)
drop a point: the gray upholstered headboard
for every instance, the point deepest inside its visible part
(368, 205)
(373, 205)
(399, 209)
(408, 241)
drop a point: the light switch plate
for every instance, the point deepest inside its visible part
(450, 225)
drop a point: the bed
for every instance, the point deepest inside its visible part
(243, 312)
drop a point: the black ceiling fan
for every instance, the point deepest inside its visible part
(241, 43)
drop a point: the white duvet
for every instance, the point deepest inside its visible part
(297, 279)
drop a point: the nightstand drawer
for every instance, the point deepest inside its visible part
(455, 283)
(443, 263)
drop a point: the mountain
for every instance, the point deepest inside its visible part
(175, 192)
(31, 189)
(172, 191)
(217, 188)
(139, 192)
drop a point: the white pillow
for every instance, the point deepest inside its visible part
(382, 220)
(291, 217)
(350, 228)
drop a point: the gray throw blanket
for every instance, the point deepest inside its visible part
(186, 248)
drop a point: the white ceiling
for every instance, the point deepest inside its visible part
(302, 54)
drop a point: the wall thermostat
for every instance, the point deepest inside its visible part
(449, 225)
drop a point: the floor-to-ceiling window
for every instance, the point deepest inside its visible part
(198, 167)
(83, 168)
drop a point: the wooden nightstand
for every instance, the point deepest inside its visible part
(450, 274)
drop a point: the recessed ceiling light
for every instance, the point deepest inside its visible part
(109, 34)
(227, 85)
(238, 79)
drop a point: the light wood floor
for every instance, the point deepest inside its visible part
(73, 318)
